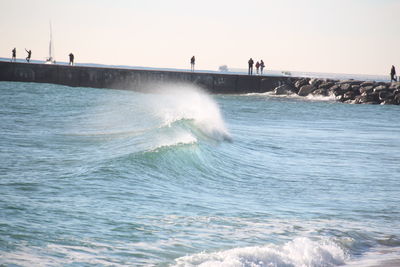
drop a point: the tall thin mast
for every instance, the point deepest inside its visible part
(51, 47)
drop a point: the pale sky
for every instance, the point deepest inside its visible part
(337, 36)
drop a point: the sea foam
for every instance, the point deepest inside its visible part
(300, 252)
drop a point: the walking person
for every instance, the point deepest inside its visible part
(257, 67)
(262, 66)
(393, 74)
(14, 55)
(251, 62)
(28, 58)
(192, 62)
(71, 59)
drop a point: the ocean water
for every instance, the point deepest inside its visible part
(97, 177)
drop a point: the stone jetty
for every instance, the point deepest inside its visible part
(347, 91)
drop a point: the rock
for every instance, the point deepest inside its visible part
(387, 102)
(384, 95)
(368, 88)
(362, 99)
(283, 90)
(334, 88)
(326, 85)
(375, 97)
(368, 83)
(380, 88)
(380, 83)
(396, 99)
(315, 82)
(345, 86)
(368, 97)
(349, 95)
(355, 88)
(320, 91)
(301, 83)
(337, 90)
(306, 89)
(351, 82)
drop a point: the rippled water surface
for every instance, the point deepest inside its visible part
(95, 177)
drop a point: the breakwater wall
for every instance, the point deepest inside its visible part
(347, 91)
(135, 79)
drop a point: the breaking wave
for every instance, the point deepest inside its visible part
(171, 115)
(297, 253)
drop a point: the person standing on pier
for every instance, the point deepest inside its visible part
(28, 58)
(71, 59)
(393, 74)
(257, 67)
(251, 62)
(14, 55)
(262, 66)
(192, 62)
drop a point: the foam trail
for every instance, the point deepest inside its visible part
(300, 252)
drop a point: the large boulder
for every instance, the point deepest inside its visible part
(301, 83)
(370, 97)
(306, 89)
(316, 82)
(380, 88)
(345, 86)
(362, 99)
(385, 95)
(283, 90)
(368, 83)
(326, 85)
(320, 91)
(351, 82)
(396, 99)
(367, 88)
(350, 95)
(337, 90)
(355, 88)
(388, 102)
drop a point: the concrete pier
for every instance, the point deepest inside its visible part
(135, 79)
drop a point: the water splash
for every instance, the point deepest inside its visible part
(183, 102)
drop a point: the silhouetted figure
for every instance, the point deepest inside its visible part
(257, 66)
(71, 59)
(262, 66)
(251, 62)
(14, 55)
(393, 74)
(28, 58)
(192, 62)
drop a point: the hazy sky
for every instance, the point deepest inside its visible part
(341, 36)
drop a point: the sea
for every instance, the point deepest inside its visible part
(178, 177)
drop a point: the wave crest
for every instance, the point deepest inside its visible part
(299, 252)
(170, 115)
(188, 107)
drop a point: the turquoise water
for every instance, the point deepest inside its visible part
(95, 177)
